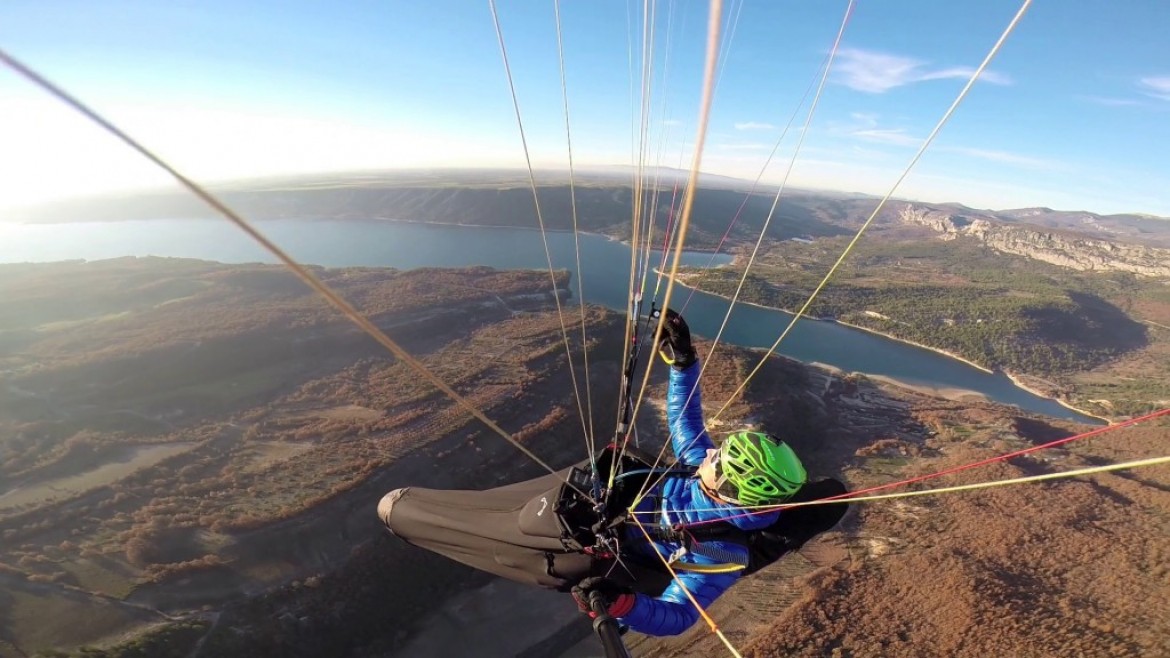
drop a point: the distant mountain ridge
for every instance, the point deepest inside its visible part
(604, 198)
(603, 205)
(1146, 229)
(1122, 225)
(1059, 246)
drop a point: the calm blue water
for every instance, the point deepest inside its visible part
(605, 278)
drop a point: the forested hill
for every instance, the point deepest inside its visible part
(1100, 340)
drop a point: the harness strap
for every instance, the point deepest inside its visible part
(726, 561)
(707, 568)
(721, 554)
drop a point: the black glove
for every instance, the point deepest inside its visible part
(618, 599)
(674, 344)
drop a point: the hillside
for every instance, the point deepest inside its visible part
(179, 434)
(1065, 568)
(193, 451)
(1073, 568)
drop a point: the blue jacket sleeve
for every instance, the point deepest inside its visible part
(684, 414)
(672, 613)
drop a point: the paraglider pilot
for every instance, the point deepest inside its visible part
(695, 514)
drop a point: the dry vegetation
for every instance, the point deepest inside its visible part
(1068, 568)
(1072, 568)
(273, 407)
(287, 425)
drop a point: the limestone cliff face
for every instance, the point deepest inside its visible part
(1063, 249)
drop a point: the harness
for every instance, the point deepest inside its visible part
(580, 526)
(695, 540)
(692, 540)
(598, 531)
(763, 545)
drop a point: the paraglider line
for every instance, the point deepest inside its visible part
(664, 140)
(881, 204)
(690, 597)
(1138, 463)
(713, 25)
(1011, 455)
(589, 436)
(540, 220)
(725, 46)
(648, 485)
(669, 225)
(755, 184)
(850, 496)
(636, 139)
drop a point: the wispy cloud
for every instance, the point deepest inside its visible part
(672, 122)
(895, 136)
(1109, 101)
(1157, 86)
(1003, 157)
(754, 125)
(860, 152)
(866, 127)
(744, 146)
(874, 72)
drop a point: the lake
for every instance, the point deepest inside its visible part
(605, 279)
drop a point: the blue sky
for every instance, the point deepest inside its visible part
(1073, 114)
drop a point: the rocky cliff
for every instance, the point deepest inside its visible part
(1062, 248)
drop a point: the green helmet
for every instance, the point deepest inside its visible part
(758, 469)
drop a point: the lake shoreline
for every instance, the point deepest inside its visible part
(391, 220)
(938, 350)
(408, 244)
(875, 332)
(1018, 382)
(945, 393)
(622, 241)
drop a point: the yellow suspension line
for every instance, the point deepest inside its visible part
(650, 483)
(1139, 463)
(690, 597)
(713, 25)
(540, 220)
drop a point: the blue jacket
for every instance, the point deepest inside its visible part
(683, 501)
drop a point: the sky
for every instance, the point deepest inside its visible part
(1073, 114)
